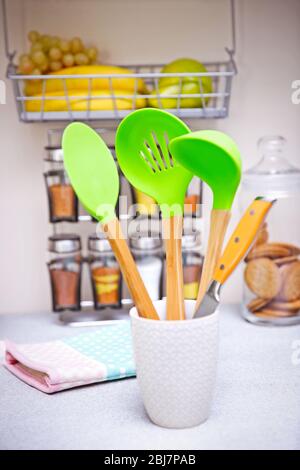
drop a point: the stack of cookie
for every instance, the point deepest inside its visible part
(272, 273)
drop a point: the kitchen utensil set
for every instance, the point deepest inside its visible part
(159, 155)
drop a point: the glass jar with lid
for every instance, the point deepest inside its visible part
(192, 261)
(65, 271)
(147, 251)
(105, 272)
(272, 267)
(63, 203)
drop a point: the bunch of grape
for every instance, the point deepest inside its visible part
(50, 54)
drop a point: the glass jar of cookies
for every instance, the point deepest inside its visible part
(272, 266)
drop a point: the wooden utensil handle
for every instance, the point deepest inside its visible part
(172, 229)
(129, 270)
(242, 238)
(219, 221)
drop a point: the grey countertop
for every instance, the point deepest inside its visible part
(256, 405)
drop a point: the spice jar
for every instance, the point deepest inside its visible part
(63, 204)
(272, 267)
(105, 272)
(65, 271)
(147, 252)
(192, 261)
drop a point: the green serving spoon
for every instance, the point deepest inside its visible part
(94, 177)
(214, 157)
(142, 150)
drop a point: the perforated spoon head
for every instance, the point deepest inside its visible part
(142, 150)
(215, 158)
(92, 170)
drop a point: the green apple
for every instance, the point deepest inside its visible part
(188, 85)
(185, 66)
(171, 103)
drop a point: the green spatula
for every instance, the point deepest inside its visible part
(94, 177)
(142, 150)
(214, 157)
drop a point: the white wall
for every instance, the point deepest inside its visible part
(132, 31)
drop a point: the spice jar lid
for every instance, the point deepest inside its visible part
(99, 243)
(144, 241)
(191, 239)
(54, 154)
(64, 243)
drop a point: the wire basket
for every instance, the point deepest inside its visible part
(117, 102)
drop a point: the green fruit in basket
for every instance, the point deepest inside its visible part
(54, 41)
(68, 60)
(33, 36)
(39, 57)
(65, 46)
(45, 66)
(46, 42)
(56, 65)
(55, 53)
(81, 58)
(76, 45)
(163, 101)
(26, 66)
(92, 53)
(36, 47)
(185, 66)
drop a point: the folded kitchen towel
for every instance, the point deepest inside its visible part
(104, 354)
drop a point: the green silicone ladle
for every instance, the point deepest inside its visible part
(215, 158)
(94, 177)
(142, 141)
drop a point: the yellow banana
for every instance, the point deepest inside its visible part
(78, 103)
(35, 87)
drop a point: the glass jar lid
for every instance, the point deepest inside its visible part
(191, 239)
(97, 242)
(64, 243)
(144, 241)
(54, 154)
(273, 174)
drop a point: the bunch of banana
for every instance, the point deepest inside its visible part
(101, 88)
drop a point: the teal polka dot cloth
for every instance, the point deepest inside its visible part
(111, 346)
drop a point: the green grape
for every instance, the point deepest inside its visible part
(76, 45)
(39, 57)
(92, 53)
(64, 45)
(26, 67)
(37, 46)
(54, 41)
(68, 60)
(81, 58)
(46, 42)
(36, 71)
(56, 65)
(55, 54)
(33, 36)
(45, 66)
(24, 58)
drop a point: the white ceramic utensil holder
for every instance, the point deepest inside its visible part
(176, 363)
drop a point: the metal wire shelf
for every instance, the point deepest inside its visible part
(213, 104)
(206, 103)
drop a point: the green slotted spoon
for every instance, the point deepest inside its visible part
(94, 177)
(215, 158)
(142, 150)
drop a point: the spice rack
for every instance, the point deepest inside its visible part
(208, 104)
